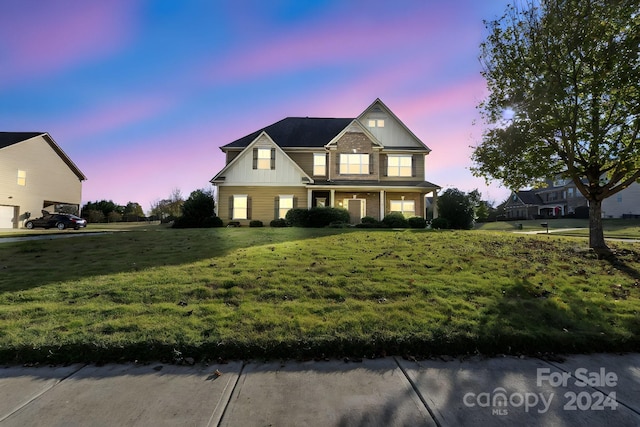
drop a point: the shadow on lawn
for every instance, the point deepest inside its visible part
(28, 264)
(532, 317)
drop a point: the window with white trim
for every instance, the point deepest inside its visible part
(285, 204)
(354, 164)
(264, 158)
(399, 165)
(240, 206)
(405, 207)
(376, 123)
(319, 164)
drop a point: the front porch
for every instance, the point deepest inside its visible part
(374, 202)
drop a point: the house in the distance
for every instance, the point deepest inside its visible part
(370, 165)
(560, 198)
(35, 175)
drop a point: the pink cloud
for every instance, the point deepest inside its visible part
(345, 39)
(39, 37)
(117, 114)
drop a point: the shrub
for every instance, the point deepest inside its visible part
(278, 223)
(417, 222)
(256, 223)
(440, 223)
(317, 217)
(324, 216)
(298, 217)
(212, 221)
(191, 222)
(368, 220)
(395, 220)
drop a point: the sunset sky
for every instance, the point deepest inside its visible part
(141, 94)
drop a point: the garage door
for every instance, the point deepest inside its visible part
(6, 216)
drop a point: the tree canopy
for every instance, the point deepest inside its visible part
(564, 98)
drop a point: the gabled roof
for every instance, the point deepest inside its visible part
(220, 175)
(529, 197)
(304, 132)
(11, 138)
(379, 105)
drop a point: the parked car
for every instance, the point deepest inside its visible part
(58, 220)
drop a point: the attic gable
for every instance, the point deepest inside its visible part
(8, 139)
(243, 168)
(387, 128)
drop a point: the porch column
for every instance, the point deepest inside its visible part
(435, 204)
(382, 204)
(332, 198)
(309, 197)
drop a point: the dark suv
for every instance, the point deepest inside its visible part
(58, 220)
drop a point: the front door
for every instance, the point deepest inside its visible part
(356, 209)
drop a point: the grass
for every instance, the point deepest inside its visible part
(613, 228)
(156, 293)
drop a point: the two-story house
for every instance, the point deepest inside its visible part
(560, 197)
(370, 165)
(35, 175)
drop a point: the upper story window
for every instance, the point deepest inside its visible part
(22, 177)
(319, 164)
(264, 158)
(354, 164)
(399, 165)
(376, 123)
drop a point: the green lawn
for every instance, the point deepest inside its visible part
(613, 228)
(158, 293)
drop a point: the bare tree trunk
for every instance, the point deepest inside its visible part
(596, 235)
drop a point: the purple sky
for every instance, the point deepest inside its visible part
(140, 94)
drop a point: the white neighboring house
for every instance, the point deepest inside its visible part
(35, 175)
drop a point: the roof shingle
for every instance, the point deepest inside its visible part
(297, 132)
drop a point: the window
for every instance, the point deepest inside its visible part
(405, 207)
(399, 165)
(321, 202)
(570, 190)
(240, 207)
(373, 123)
(22, 177)
(355, 164)
(319, 164)
(284, 205)
(264, 158)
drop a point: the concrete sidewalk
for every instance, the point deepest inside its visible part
(582, 390)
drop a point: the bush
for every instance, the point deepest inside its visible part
(256, 223)
(298, 217)
(278, 223)
(395, 220)
(212, 221)
(368, 220)
(417, 222)
(191, 222)
(324, 216)
(317, 217)
(440, 223)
